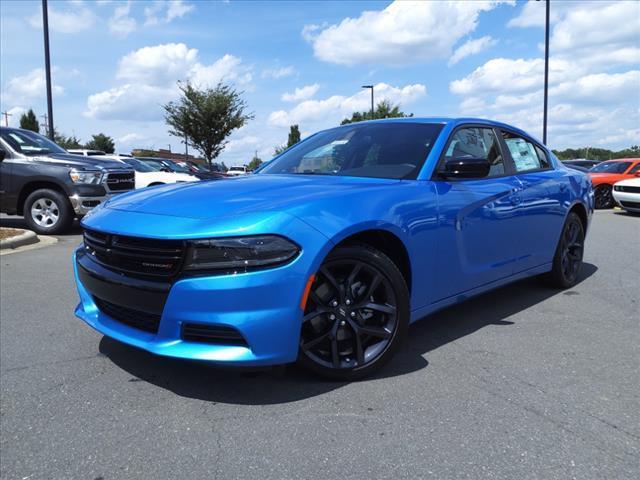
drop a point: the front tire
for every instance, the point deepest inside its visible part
(357, 314)
(48, 212)
(567, 261)
(604, 197)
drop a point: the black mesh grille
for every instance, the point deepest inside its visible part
(216, 334)
(118, 182)
(143, 257)
(147, 322)
(627, 188)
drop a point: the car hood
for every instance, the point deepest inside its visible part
(242, 195)
(79, 161)
(631, 182)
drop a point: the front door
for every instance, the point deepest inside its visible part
(476, 216)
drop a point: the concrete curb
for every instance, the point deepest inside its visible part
(27, 237)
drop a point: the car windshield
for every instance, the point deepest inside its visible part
(380, 150)
(611, 167)
(29, 143)
(138, 165)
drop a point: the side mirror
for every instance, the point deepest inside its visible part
(3, 154)
(466, 167)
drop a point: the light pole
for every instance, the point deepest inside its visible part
(370, 87)
(169, 145)
(546, 71)
(47, 66)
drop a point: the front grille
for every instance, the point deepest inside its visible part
(626, 188)
(143, 257)
(630, 204)
(215, 334)
(147, 322)
(120, 182)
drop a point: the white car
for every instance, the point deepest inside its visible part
(146, 176)
(626, 193)
(237, 170)
(86, 153)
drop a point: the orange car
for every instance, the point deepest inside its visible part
(605, 174)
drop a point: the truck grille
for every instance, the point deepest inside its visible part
(121, 181)
(148, 322)
(142, 257)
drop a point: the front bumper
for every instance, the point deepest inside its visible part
(83, 205)
(263, 306)
(628, 200)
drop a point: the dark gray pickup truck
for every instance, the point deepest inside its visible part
(49, 186)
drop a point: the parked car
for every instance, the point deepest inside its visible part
(147, 176)
(575, 167)
(40, 180)
(626, 193)
(202, 172)
(86, 152)
(237, 170)
(580, 162)
(607, 173)
(328, 253)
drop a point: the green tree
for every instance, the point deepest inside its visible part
(591, 153)
(29, 121)
(66, 142)
(384, 109)
(101, 142)
(206, 117)
(294, 137)
(254, 163)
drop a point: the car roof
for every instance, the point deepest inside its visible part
(453, 121)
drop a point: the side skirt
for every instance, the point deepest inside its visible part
(461, 297)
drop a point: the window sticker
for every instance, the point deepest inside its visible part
(523, 154)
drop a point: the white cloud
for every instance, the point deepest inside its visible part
(121, 24)
(471, 47)
(130, 138)
(278, 72)
(592, 98)
(161, 11)
(150, 75)
(74, 19)
(27, 88)
(331, 110)
(532, 14)
(405, 32)
(302, 93)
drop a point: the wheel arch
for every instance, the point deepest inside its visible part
(581, 211)
(384, 240)
(31, 187)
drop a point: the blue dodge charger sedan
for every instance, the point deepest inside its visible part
(329, 252)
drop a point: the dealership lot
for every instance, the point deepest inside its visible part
(524, 382)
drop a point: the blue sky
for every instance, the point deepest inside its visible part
(115, 63)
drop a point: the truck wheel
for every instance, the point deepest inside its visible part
(48, 212)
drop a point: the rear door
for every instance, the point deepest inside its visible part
(477, 217)
(544, 199)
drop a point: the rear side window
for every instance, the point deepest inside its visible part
(635, 168)
(526, 155)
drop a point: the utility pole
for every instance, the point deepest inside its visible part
(6, 118)
(46, 124)
(546, 71)
(371, 88)
(186, 147)
(47, 64)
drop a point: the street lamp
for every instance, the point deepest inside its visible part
(546, 71)
(47, 65)
(370, 87)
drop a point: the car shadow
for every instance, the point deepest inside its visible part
(290, 383)
(18, 222)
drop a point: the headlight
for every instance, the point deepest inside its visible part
(240, 253)
(91, 177)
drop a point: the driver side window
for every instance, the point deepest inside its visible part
(477, 142)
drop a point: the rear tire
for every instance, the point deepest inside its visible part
(357, 314)
(48, 212)
(567, 261)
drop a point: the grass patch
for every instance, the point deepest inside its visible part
(9, 232)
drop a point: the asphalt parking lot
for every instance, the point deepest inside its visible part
(523, 382)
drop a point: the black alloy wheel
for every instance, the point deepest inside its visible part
(604, 197)
(356, 315)
(567, 261)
